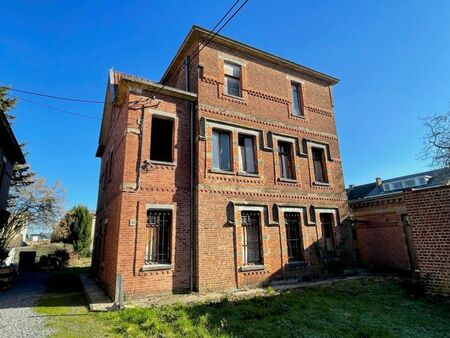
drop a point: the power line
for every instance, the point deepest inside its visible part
(52, 96)
(183, 65)
(58, 109)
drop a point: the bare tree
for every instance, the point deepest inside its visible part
(35, 203)
(436, 143)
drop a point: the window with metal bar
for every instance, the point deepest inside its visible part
(293, 236)
(159, 223)
(251, 237)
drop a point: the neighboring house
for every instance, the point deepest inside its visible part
(10, 153)
(226, 174)
(382, 217)
(39, 237)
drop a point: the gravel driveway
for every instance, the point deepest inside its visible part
(17, 318)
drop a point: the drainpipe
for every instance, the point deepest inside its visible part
(192, 175)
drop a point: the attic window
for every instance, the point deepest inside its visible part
(407, 183)
(161, 143)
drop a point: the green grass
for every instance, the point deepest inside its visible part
(358, 308)
(65, 307)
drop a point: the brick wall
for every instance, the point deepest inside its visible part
(429, 217)
(265, 111)
(380, 234)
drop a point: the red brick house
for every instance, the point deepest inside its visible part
(384, 219)
(224, 174)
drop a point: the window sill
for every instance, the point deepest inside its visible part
(302, 117)
(218, 171)
(156, 267)
(233, 96)
(243, 173)
(245, 268)
(287, 180)
(162, 163)
(322, 184)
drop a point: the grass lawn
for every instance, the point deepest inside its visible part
(358, 308)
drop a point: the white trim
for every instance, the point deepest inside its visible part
(241, 208)
(292, 209)
(162, 114)
(160, 206)
(231, 58)
(318, 145)
(295, 79)
(231, 128)
(290, 139)
(326, 211)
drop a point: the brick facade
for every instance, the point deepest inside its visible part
(429, 217)
(206, 250)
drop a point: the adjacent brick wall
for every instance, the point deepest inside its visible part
(429, 217)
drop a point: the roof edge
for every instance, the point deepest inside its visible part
(15, 153)
(197, 30)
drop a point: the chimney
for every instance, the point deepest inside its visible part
(378, 181)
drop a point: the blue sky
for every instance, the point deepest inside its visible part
(392, 58)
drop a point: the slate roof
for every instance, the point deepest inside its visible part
(439, 177)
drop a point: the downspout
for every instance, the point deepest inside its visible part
(192, 175)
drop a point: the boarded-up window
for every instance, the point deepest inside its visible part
(159, 223)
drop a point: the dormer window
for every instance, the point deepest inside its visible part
(406, 183)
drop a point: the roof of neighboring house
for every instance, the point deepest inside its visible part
(200, 32)
(8, 141)
(434, 178)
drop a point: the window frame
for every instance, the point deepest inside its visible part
(172, 139)
(297, 225)
(230, 149)
(290, 155)
(243, 160)
(323, 166)
(152, 237)
(245, 243)
(332, 216)
(233, 77)
(297, 97)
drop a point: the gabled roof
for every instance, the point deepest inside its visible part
(197, 32)
(8, 141)
(438, 177)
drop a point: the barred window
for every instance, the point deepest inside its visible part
(252, 237)
(159, 223)
(293, 236)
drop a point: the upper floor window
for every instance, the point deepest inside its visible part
(297, 99)
(110, 169)
(161, 143)
(285, 155)
(293, 236)
(247, 154)
(221, 150)
(159, 223)
(252, 237)
(232, 73)
(320, 171)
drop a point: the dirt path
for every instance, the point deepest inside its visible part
(17, 319)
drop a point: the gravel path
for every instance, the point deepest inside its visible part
(17, 319)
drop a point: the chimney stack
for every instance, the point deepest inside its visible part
(378, 181)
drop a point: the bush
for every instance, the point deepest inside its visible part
(54, 261)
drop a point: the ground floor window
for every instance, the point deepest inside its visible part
(159, 223)
(293, 236)
(251, 237)
(327, 232)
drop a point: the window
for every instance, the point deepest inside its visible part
(293, 236)
(405, 219)
(320, 171)
(221, 150)
(247, 154)
(110, 162)
(297, 100)
(252, 240)
(159, 223)
(285, 154)
(232, 73)
(161, 140)
(327, 232)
